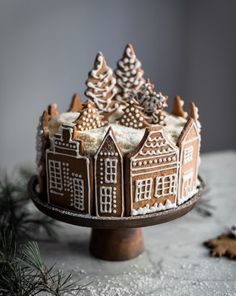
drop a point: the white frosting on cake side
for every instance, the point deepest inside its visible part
(174, 126)
(128, 138)
(66, 118)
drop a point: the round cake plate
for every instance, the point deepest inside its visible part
(113, 239)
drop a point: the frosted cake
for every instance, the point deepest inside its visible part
(119, 153)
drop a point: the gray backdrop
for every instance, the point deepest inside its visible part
(47, 48)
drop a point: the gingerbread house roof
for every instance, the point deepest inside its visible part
(65, 142)
(154, 143)
(189, 126)
(109, 135)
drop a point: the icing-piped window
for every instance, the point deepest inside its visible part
(188, 154)
(166, 185)
(105, 199)
(55, 175)
(143, 189)
(111, 170)
(187, 184)
(78, 185)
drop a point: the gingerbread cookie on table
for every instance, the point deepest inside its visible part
(119, 153)
(223, 245)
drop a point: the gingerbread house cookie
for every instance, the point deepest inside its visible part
(153, 174)
(69, 173)
(189, 145)
(109, 178)
(119, 153)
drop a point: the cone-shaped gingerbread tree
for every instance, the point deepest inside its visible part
(134, 116)
(129, 73)
(101, 85)
(89, 117)
(42, 143)
(153, 103)
(177, 108)
(75, 105)
(151, 100)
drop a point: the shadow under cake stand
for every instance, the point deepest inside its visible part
(113, 239)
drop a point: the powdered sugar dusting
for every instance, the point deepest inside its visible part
(127, 137)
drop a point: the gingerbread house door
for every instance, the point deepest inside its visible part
(109, 199)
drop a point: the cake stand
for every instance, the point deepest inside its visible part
(113, 239)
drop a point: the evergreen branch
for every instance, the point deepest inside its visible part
(14, 213)
(22, 270)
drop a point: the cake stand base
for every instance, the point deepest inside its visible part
(116, 244)
(113, 239)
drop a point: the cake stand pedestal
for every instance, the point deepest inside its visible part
(113, 239)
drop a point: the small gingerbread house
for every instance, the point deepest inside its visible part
(68, 173)
(108, 176)
(189, 145)
(152, 174)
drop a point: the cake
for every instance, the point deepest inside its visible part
(119, 153)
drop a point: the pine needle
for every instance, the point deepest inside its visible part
(22, 270)
(14, 209)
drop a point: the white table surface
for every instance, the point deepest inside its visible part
(174, 262)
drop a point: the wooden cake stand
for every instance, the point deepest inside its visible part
(113, 239)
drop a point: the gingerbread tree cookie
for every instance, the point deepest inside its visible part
(134, 116)
(89, 117)
(42, 143)
(101, 85)
(224, 245)
(177, 108)
(158, 117)
(75, 105)
(152, 102)
(129, 73)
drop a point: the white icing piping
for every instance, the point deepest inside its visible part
(95, 92)
(129, 75)
(155, 208)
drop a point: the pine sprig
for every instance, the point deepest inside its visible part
(23, 273)
(22, 270)
(50, 279)
(15, 279)
(15, 215)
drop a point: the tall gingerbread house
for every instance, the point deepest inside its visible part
(108, 173)
(152, 174)
(68, 173)
(189, 145)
